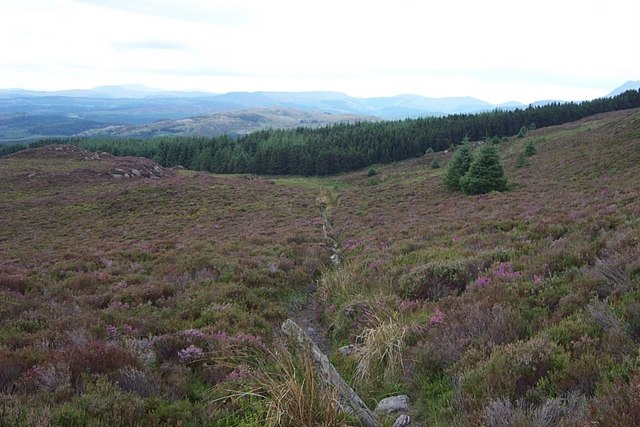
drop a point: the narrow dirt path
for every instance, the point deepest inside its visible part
(308, 318)
(309, 315)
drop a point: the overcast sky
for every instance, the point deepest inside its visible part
(489, 49)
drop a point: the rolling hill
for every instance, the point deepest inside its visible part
(131, 298)
(227, 123)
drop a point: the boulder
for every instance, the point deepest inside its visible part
(393, 404)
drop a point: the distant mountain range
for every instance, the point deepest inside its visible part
(134, 110)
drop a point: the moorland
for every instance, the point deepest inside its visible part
(134, 293)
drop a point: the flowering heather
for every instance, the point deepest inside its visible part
(118, 305)
(191, 251)
(190, 354)
(220, 336)
(112, 331)
(407, 305)
(128, 330)
(236, 374)
(505, 270)
(437, 318)
(351, 244)
(193, 333)
(417, 328)
(482, 281)
(249, 339)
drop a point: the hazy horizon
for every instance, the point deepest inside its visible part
(496, 51)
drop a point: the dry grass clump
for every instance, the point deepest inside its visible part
(380, 350)
(338, 284)
(284, 388)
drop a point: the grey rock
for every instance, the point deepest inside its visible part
(136, 172)
(116, 175)
(402, 421)
(394, 404)
(347, 350)
(273, 267)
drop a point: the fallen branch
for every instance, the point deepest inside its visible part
(328, 373)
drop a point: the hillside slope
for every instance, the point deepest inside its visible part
(138, 299)
(233, 122)
(531, 294)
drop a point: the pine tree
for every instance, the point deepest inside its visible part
(458, 166)
(523, 132)
(485, 173)
(530, 149)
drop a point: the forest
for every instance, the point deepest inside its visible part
(345, 147)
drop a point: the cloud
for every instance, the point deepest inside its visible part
(153, 44)
(212, 13)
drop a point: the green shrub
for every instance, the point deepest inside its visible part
(434, 402)
(511, 371)
(434, 280)
(373, 181)
(69, 415)
(102, 404)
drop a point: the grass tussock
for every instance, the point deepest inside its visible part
(285, 389)
(380, 350)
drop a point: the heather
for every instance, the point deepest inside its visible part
(507, 305)
(114, 289)
(157, 301)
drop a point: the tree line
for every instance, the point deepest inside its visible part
(346, 147)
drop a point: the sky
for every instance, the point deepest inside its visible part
(494, 50)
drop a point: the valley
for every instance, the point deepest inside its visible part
(137, 294)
